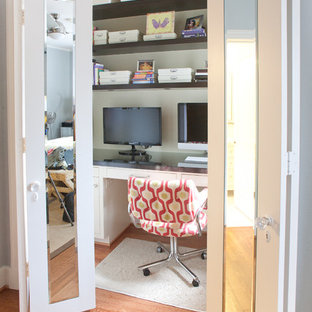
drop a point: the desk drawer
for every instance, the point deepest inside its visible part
(199, 179)
(96, 171)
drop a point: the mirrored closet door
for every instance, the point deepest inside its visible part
(245, 158)
(58, 158)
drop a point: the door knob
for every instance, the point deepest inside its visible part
(34, 188)
(262, 223)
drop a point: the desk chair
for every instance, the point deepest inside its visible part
(168, 208)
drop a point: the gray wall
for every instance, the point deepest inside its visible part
(4, 198)
(59, 87)
(240, 14)
(304, 298)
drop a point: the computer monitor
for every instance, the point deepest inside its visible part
(132, 126)
(193, 126)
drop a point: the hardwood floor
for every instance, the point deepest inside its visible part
(239, 248)
(9, 300)
(239, 269)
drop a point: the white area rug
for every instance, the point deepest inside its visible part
(168, 284)
(61, 237)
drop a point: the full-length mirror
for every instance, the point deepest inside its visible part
(241, 161)
(60, 151)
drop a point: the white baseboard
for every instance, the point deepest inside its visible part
(4, 276)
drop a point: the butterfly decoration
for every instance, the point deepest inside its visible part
(159, 24)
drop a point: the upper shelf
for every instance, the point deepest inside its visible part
(142, 7)
(151, 46)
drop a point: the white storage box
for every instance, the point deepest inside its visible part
(174, 78)
(115, 74)
(160, 37)
(124, 36)
(175, 71)
(100, 37)
(111, 81)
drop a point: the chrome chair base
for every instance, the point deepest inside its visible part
(173, 254)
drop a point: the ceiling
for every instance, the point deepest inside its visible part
(65, 9)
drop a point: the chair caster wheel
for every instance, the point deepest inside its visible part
(204, 255)
(146, 272)
(195, 283)
(159, 249)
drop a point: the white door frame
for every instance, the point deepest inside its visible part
(14, 21)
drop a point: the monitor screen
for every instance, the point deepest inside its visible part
(192, 125)
(132, 125)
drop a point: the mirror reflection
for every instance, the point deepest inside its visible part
(241, 161)
(60, 151)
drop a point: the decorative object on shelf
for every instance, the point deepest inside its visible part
(160, 37)
(146, 65)
(97, 69)
(160, 23)
(124, 36)
(194, 27)
(195, 22)
(115, 77)
(201, 75)
(175, 75)
(100, 37)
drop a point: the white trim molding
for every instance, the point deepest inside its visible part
(4, 276)
(14, 25)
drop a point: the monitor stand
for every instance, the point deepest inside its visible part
(133, 152)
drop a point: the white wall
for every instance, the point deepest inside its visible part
(304, 271)
(4, 198)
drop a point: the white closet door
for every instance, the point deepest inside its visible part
(35, 173)
(270, 239)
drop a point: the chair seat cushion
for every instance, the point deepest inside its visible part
(175, 229)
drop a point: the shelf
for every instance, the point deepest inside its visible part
(152, 86)
(142, 7)
(151, 46)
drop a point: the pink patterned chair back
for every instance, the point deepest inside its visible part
(166, 208)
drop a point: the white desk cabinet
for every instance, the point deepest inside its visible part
(111, 197)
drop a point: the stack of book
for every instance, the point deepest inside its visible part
(144, 77)
(201, 75)
(168, 75)
(115, 77)
(198, 32)
(97, 69)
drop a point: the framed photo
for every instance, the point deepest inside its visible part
(160, 23)
(194, 22)
(146, 65)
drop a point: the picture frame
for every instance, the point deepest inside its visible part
(160, 23)
(145, 65)
(195, 22)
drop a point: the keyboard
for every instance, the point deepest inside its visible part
(192, 165)
(196, 159)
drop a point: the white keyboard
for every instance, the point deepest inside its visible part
(192, 165)
(196, 159)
